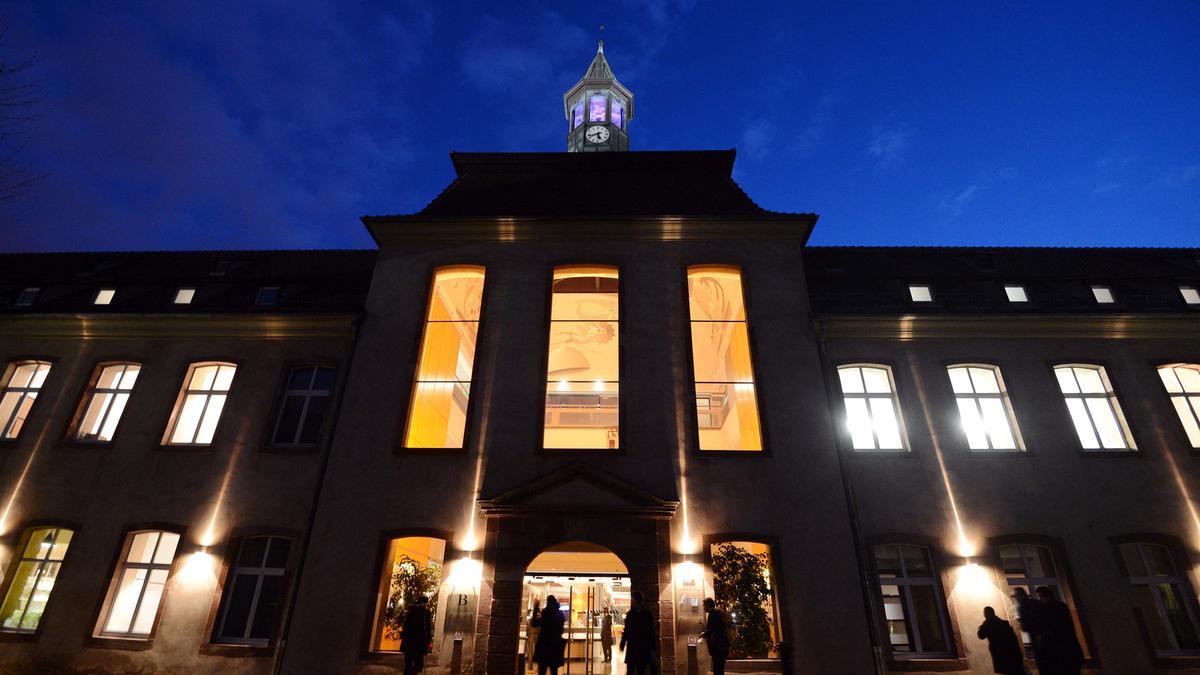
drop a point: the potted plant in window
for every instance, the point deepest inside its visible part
(740, 586)
(409, 580)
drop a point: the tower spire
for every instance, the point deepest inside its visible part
(598, 108)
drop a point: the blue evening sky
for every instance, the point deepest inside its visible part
(277, 124)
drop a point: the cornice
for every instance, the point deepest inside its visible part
(1106, 327)
(391, 231)
(168, 326)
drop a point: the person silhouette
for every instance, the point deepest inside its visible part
(1060, 650)
(716, 636)
(1002, 643)
(637, 640)
(416, 636)
(548, 653)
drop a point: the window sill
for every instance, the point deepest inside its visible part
(236, 650)
(928, 664)
(185, 447)
(128, 644)
(18, 636)
(402, 450)
(1125, 454)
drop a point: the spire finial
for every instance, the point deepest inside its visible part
(600, 41)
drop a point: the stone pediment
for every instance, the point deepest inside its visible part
(578, 488)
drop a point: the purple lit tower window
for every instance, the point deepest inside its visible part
(596, 109)
(577, 114)
(618, 113)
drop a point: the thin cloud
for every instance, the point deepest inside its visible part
(889, 146)
(1182, 176)
(758, 138)
(955, 203)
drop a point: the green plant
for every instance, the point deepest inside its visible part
(410, 580)
(740, 587)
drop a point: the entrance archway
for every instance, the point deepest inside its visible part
(592, 587)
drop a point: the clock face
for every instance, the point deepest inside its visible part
(596, 134)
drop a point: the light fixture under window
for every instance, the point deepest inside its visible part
(27, 296)
(1103, 295)
(105, 296)
(920, 293)
(1015, 293)
(184, 296)
(267, 296)
(1190, 295)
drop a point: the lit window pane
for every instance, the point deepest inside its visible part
(960, 381)
(1016, 294)
(1170, 380)
(1103, 295)
(1089, 381)
(196, 419)
(920, 294)
(1190, 295)
(715, 294)
(728, 416)
(184, 296)
(1066, 380)
(1106, 423)
(1189, 378)
(19, 394)
(224, 378)
(120, 616)
(995, 420)
(859, 422)
(721, 352)
(1188, 414)
(851, 380)
(33, 579)
(1094, 409)
(203, 378)
(984, 381)
(134, 600)
(727, 409)
(886, 427)
(1083, 425)
(142, 547)
(438, 415)
(105, 296)
(972, 424)
(151, 596)
(877, 381)
(165, 553)
(212, 415)
(189, 418)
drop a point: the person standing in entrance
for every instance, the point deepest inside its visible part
(531, 632)
(606, 634)
(549, 649)
(715, 636)
(416, 636)
(1002, 643)
(637, 640)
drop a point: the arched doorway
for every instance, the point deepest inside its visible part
(592, 586)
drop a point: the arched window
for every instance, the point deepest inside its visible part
(437, 414)
(1032, 566)
(201, 400)
(583, 363)
(31, 581)
(1182, 381)
(1094, 408)
(136, 590)
(22, 383)
(726, 405)
(413, 566)
(872, 409)
(104, 402)
(254, 590)
(744, 588)
(984, 408)
(913, 605)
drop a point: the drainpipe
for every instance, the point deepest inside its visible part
(860, 554)
(286, 623)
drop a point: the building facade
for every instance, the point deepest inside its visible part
(595, 374)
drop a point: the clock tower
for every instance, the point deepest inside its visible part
(598, 110)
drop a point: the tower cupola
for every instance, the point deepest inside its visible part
(598, 109)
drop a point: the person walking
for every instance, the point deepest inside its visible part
(1063, 655)
(637, 640)
(715, 636)
(1002, 643)
(606, 634)
(1029, 615)
(416, 637)
(532, 628)
(548, 653)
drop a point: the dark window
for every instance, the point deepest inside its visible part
(27, 297)
(253, 591)
(305, 404)
(267, 296)
(912, 601)
(1163, 597)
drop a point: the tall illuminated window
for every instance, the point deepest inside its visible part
(583, 363)
(137, 586)
(1094, 408)
(33, 580)
(105, 400)
(413, 566)
(983, 407)
(872, 411)
(1182, 381)
(726, 406)
(437, 415)
(21, 387)
(200, 404)
(1165, 602)
(744, 587)
(912, 601)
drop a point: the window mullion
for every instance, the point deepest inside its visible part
(300, 422)
(200, 420)
(258, 581)
(987, 435)
(1091, 420)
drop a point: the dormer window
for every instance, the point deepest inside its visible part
(1015, 293)
(267, 296)
(219, 269)
(104, 296)
(1103, 295)
(27, 296)
(184, 296)
(920, 293)
(1190, 295)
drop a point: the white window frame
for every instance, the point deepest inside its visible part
(42, 564)
(1108, 396)
(309, 393)
(1102, 289)
(1191, 295)
(186, 393)
(1186, 401)
(891, 396)
(1016, 293)
(118, 397)
(260, 572)
(27, 392)
(906, 582)
(920, 293)
(1182, 590)
(975, 397)
(150, 567)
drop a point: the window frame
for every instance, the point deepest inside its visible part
(775, 566)
(23, 532)
(177, 406)
(1177, 552)
(1024, 291)
(216, 644)
(414, 362)
(1064, 580)
(1186, 395)
(281, 398)
(379, 586)
(1114, 406)
(908, 289)
(100, 293)
(179, 291)
(10, 370)
(97, 636)
(954, 658)
(32, 292)
(1111, 294)
(905, 446)
(751, 343)
(540, 439)
(1005, 397)
(1183, 294)
(89, 392)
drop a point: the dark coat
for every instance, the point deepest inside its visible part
(1059, 652)
(637, 640)
(716, 633)
(550, 643)
(417, 632)
(1002, 643)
